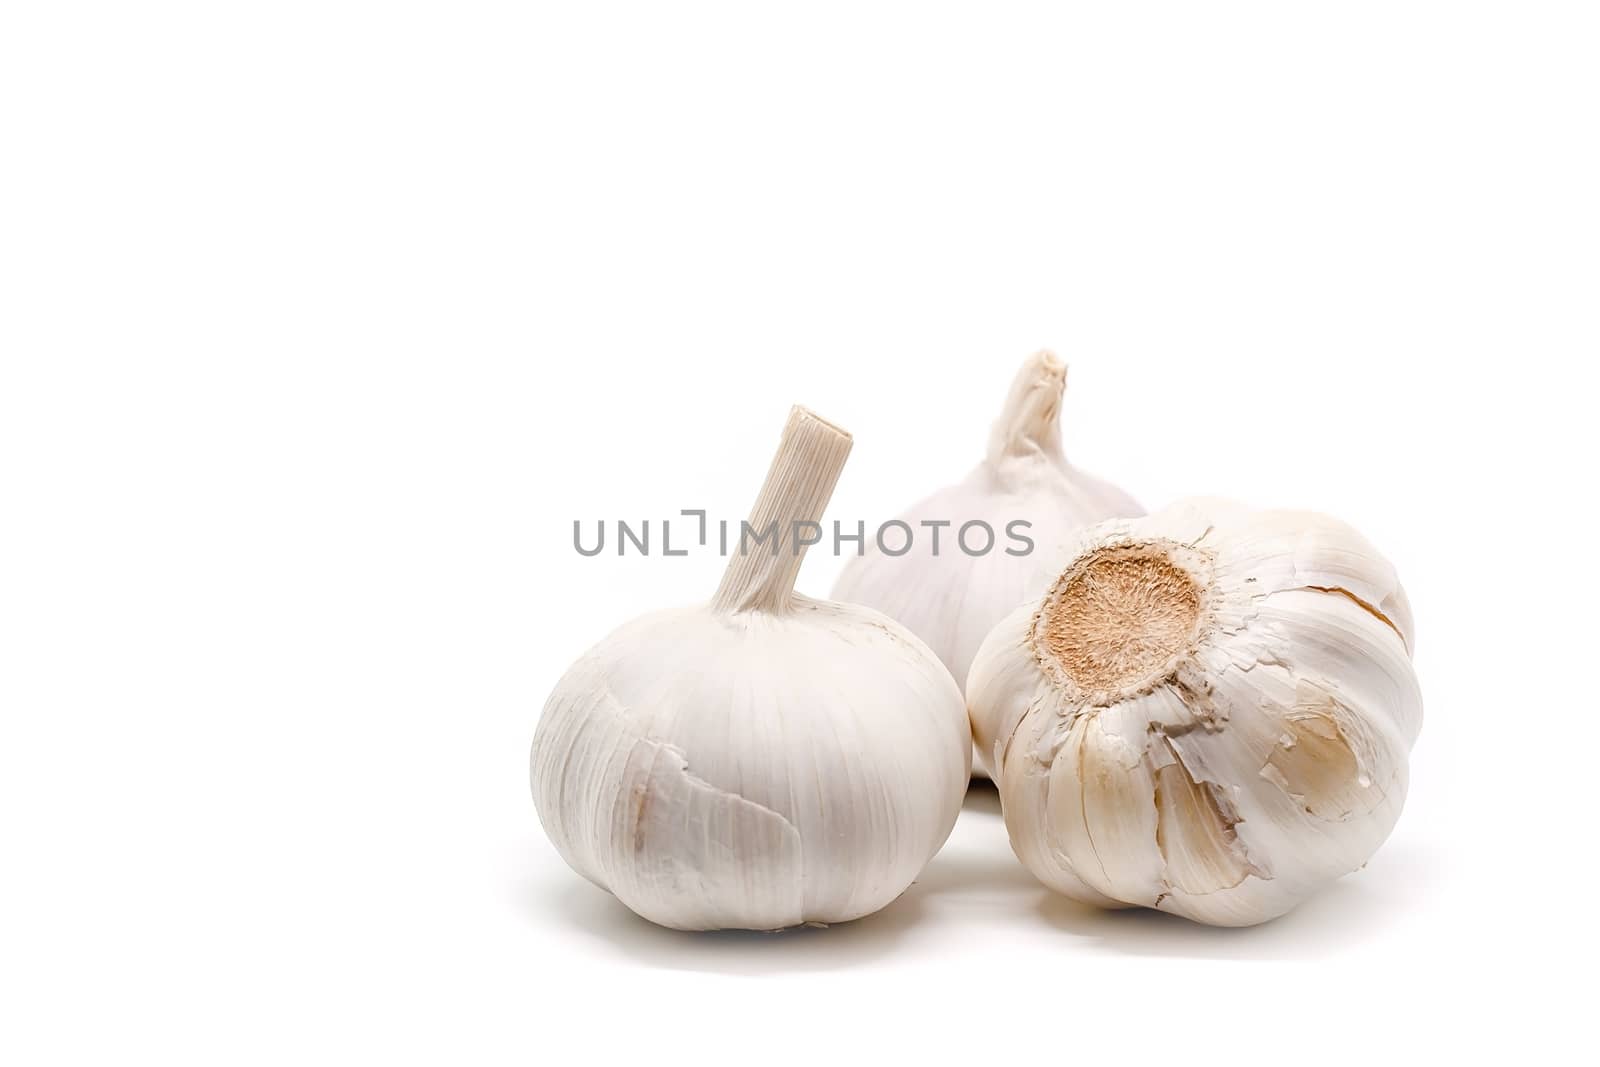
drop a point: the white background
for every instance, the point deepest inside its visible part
(321, 322)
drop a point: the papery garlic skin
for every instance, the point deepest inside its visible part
(952, 600)
(762, 761)
(1210, 712)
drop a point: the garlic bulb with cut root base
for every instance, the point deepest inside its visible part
(951, 598)
(1209, 712)
(764, 760)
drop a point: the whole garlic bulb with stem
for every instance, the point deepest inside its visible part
(952, 599)
(1209, 712)
(764, 760)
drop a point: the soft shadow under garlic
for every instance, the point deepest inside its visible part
(1352, 912)
(982, 798)
(598, 914)
(971, 875)
(976, 881)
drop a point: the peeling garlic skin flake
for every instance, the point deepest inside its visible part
(1210, 712)
(953, 600)
(761, 761)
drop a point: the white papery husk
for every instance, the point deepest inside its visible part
(952, 600)
(761, 761)
(1265, 757)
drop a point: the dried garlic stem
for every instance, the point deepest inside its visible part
(1029, 421)
(767, 554)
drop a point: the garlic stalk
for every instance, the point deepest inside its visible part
(763, 760)
(1209, 712)
(951, 598)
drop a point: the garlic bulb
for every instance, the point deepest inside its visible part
(764, 760)
(1209, 712)
(952, 599)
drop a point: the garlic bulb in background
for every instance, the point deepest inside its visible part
(952, 599)
(1209, 712)
(763, 760)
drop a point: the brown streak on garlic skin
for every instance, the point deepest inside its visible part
(1370, 609)
(641, 807)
